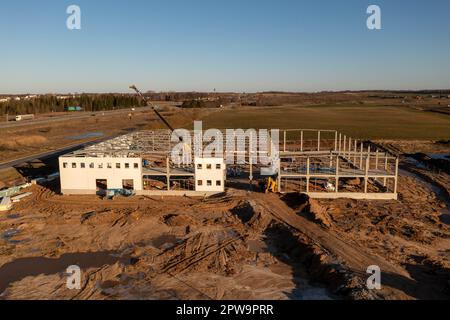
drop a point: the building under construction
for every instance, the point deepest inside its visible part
(320, 163)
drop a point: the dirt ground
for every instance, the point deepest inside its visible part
(242, 245)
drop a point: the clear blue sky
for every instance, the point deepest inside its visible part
(232, 45)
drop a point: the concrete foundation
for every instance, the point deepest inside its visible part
(354, 196)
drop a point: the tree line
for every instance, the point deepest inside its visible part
(51, 103)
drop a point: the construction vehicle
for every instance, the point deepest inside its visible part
(112, 193)
(25, 117)
(271, 185)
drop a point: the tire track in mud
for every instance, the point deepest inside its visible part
(353, 256)
(52, 200)
(173, 269)
(199, 256)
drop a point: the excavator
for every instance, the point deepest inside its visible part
(271, 185)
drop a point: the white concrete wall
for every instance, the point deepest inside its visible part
(206, 171)
(78, 179)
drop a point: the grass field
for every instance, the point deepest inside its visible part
(359, 121)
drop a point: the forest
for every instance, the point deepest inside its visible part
(53, 103)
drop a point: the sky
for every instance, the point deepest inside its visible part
(232, 45)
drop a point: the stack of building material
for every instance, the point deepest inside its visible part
(21, 196)
(5, 204)
(9, 192)
(13, 190)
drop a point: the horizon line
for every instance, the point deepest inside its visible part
(229, 92)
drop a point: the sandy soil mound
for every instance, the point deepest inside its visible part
(319, 213)
(311, 208)
(178, 220)
(252, 215)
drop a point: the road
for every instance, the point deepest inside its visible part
(66, 117)
(53, 153)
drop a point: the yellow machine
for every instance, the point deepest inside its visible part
(271, 185)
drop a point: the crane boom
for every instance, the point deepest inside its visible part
(148, 102)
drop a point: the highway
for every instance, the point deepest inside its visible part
(67, 149)
(53, 153)
(66, 117)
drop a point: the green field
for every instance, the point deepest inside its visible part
(364, 122)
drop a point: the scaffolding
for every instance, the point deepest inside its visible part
(330, 165)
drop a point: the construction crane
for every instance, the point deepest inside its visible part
(150, 104)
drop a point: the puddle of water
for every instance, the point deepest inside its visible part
(440, 156)
(86, 136)
(416, 163)
(165, 241)
(13, 216)
(26, 267)
(9, 234)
